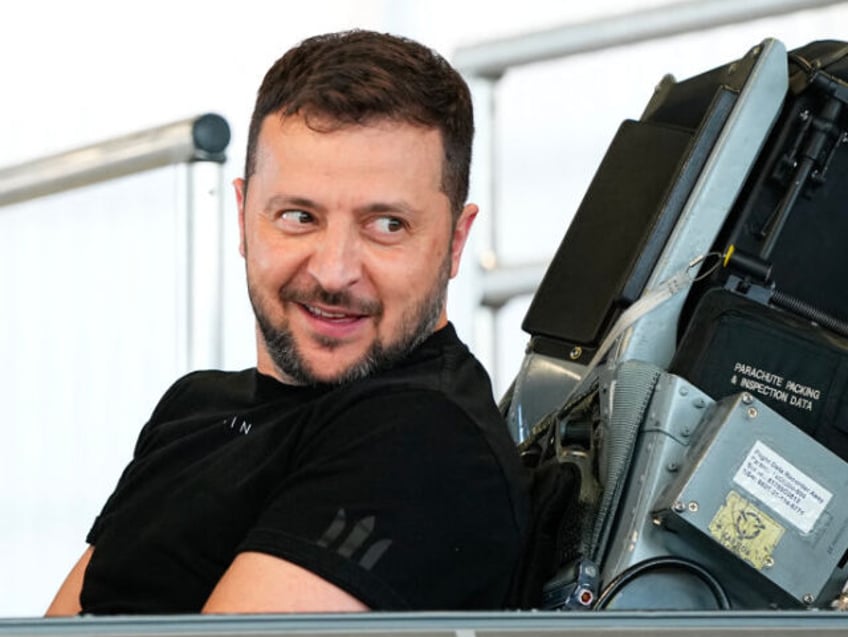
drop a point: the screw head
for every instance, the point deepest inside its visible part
(808, 598)
(752, 412)
(575, 353)
(585, 597)
(747, 398)
(693, 507)
(678, 507)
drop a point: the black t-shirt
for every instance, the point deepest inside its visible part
(404, 489)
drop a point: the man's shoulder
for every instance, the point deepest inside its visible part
(442, 363)
(440, 395)
(199, 389)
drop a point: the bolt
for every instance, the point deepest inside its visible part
(747, 398)
(752, 412)
(575, 353)
(693, 507)
(679, 507)
(585, 596)
(808, 598)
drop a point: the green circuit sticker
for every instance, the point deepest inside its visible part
(746, 531)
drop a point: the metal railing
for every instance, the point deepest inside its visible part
(200, 144)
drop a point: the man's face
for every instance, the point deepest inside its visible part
(349, 245)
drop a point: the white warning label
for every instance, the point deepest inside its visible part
(784, 488)
(774, 386)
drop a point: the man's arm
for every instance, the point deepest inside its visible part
(261, 583)
(67, 600)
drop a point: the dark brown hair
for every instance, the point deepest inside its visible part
(354, 77)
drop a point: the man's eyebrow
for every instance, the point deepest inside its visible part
(389, 206)
(278, 202)
(291, 201)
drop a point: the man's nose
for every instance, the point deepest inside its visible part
(335, 262)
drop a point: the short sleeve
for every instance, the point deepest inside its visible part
(401, 501)
(143, 445)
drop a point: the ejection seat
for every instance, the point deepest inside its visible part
(687, 369)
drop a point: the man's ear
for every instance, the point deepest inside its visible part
(239, 185)
(460, 235)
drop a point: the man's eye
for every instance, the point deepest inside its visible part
(296, 217)
(388, 225)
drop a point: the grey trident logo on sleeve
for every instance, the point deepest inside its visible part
(355, 540)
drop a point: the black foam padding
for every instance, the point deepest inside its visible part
(596, 259)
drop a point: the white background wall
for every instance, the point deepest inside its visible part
(87, 290)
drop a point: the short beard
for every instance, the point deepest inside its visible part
(416, 326)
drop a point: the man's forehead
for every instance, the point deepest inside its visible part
(293, 159)
(284, 136)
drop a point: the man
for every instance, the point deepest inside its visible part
(363, 463)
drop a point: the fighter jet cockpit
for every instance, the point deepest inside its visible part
(696, 321)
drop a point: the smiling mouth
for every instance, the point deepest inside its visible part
(329, 315)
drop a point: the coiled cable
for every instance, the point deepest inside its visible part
(655, 563)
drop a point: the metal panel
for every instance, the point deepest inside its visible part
(759, 488)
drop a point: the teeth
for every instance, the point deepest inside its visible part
(322, 313)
